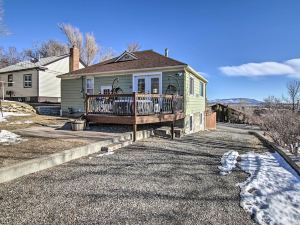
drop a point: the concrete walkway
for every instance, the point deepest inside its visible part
(95, 134)
(156, 181)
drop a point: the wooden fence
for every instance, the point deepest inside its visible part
(211, 120)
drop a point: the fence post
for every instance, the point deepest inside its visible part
(134, 116)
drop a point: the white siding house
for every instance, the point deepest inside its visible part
(36, 82)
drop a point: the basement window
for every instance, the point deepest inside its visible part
(191, 123)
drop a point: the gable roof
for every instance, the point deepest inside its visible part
(140, 60)
(126, 56)
(25, 65)
(30, 65)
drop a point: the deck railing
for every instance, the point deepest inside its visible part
(133, 104)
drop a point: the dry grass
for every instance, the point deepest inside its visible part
(37, 120)
(34, 147)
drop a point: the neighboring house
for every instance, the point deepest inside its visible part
(144, 72)
(226, 113)
(37, 81)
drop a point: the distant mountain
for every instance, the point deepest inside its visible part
(229, 101)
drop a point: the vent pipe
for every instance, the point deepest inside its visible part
(166, 52)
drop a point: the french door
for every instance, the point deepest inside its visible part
(147, 84)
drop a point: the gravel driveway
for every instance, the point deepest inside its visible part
(157, 181)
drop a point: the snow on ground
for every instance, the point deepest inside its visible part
(8, 114)
(272, 192)
(21, 122)
(7, 137)
(228, 162)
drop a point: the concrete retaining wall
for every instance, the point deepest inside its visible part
(34, 165)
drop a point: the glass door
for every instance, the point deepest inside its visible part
(149, 84)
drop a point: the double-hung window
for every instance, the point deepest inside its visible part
(10, 80)
(90, 86)
(192, 86)
(201, 89)
(27, 80)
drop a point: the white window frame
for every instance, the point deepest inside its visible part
(10, 82)
(201, 87)
(26, 83)
(191, 130)
(193, 79)
(201, 119)
(93, 85)
(102, 88)
(147, 77)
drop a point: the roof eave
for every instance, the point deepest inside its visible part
(116, 72)
(190, 69)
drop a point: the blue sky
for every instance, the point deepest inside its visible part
(211, 36)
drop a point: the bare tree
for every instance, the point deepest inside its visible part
(73, 35)
(91, 49)
(10, 56)
(106, 54)
(293, 88)
(53, 48)
(3, 28)
(133, 47)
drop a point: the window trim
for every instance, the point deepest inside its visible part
(201, 88)
(193, 79)
(105, 87)
(191, 126)
(24, 75)
(10, 83)
(93, 85)
(201, 118)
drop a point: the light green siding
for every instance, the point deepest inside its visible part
(125, 83)
(169, 78)
(194, 103)
(71, 96)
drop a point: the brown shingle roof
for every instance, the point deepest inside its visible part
(145, 59)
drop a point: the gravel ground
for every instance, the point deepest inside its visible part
(157, 181)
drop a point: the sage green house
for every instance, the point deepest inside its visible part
(145, 72)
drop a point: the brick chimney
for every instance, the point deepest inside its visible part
(74, 59)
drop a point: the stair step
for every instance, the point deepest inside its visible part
(115, 146)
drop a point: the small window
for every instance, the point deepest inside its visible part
(10, 80)
(106, 90)
(27, 80)
(191, 123)
(201, 89)
(141, 85)
(90, 86)
(191, 86)
(201, 119)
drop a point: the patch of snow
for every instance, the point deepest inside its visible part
(272, 192)
(228, 162)
(8, 114)
(106, 153)
(7, 137)
(21, 122)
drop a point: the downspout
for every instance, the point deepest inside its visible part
(38, 85)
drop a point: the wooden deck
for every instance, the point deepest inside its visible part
(134, 109)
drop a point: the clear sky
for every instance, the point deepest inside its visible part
(219, 38)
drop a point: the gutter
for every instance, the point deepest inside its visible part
(122, 72)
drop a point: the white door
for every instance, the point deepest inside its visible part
(147, 84)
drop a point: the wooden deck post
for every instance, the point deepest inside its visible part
(172, 123)
(135, 115)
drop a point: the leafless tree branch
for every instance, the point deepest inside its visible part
(133, 47)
